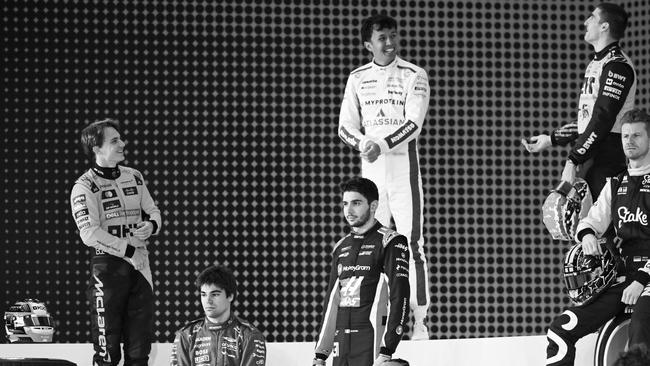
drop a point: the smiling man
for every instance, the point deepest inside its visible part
(625, 203)
(366, 306)
(220, 338)
(116, 215)
(382, 114)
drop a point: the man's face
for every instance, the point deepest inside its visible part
(383, 45)
(356, 209)
(635, 140)
(215, 302)
(593, 26)
(112, 149)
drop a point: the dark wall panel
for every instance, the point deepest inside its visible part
(231, 111)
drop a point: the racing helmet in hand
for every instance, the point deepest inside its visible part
(587, 276)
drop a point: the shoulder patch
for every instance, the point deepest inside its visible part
(191, 324)
(86, 181)
(388, 235)
(338, 243)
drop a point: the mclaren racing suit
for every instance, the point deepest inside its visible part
(107, 204)
(367, 298)
(624, 202)
(232, 343)
(387, 105)
(608, 91)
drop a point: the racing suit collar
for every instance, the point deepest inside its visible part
(107, 173)
(602, 53)
(392, 64)
(225, 324)
(373, 228)
(634, 172)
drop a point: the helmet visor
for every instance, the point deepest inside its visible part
(33, 320)
(576, 281)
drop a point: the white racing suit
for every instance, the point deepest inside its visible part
(387, 105)
(107, 204)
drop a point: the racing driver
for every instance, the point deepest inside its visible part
(382, 114)
(220, 338)
(108, 204)
(366, 306)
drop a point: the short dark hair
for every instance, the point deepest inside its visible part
(637, 115)
(93, 134)
(378, 22)
(617, 18)
(637, 355)
(218, 275)
(364, 186)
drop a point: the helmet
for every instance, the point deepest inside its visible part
(586, 276)
(29, 322)
(564, 207)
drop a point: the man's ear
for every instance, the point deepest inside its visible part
(95, 149)
(604, 26)
(367, 45)
(373, 205)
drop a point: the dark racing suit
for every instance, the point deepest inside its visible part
(107, 204)
(233, 343)
(608, 91)
(367, 299)
(624, 202)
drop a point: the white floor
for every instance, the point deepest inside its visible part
(502, 351)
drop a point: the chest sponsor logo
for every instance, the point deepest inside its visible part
(229, 347)
(350, 291)
(130, 191)
(112, 215)
(204, 358)
(367, 246)
(345, 249)
(80, 213)
(343, 255)
(365, 252)
(110, 193)
(111, 205)
(622, 190)
(357, 267)
(626, 216)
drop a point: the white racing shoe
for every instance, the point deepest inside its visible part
(420, 332)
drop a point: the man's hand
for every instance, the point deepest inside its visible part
(537, 143)
(631, 293)
(140, 258)
(144, 230)
(590, 245)
(381, 359)
(569, 172)
(371, 152)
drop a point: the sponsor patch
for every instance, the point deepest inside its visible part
(112, 215)
(138, 179)
(130, 191)
(110, 193)
(79, 200)
(80, 213)
(111, 205)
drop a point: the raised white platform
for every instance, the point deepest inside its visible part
(502, 351)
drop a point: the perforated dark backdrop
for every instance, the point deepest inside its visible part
(230, 112)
